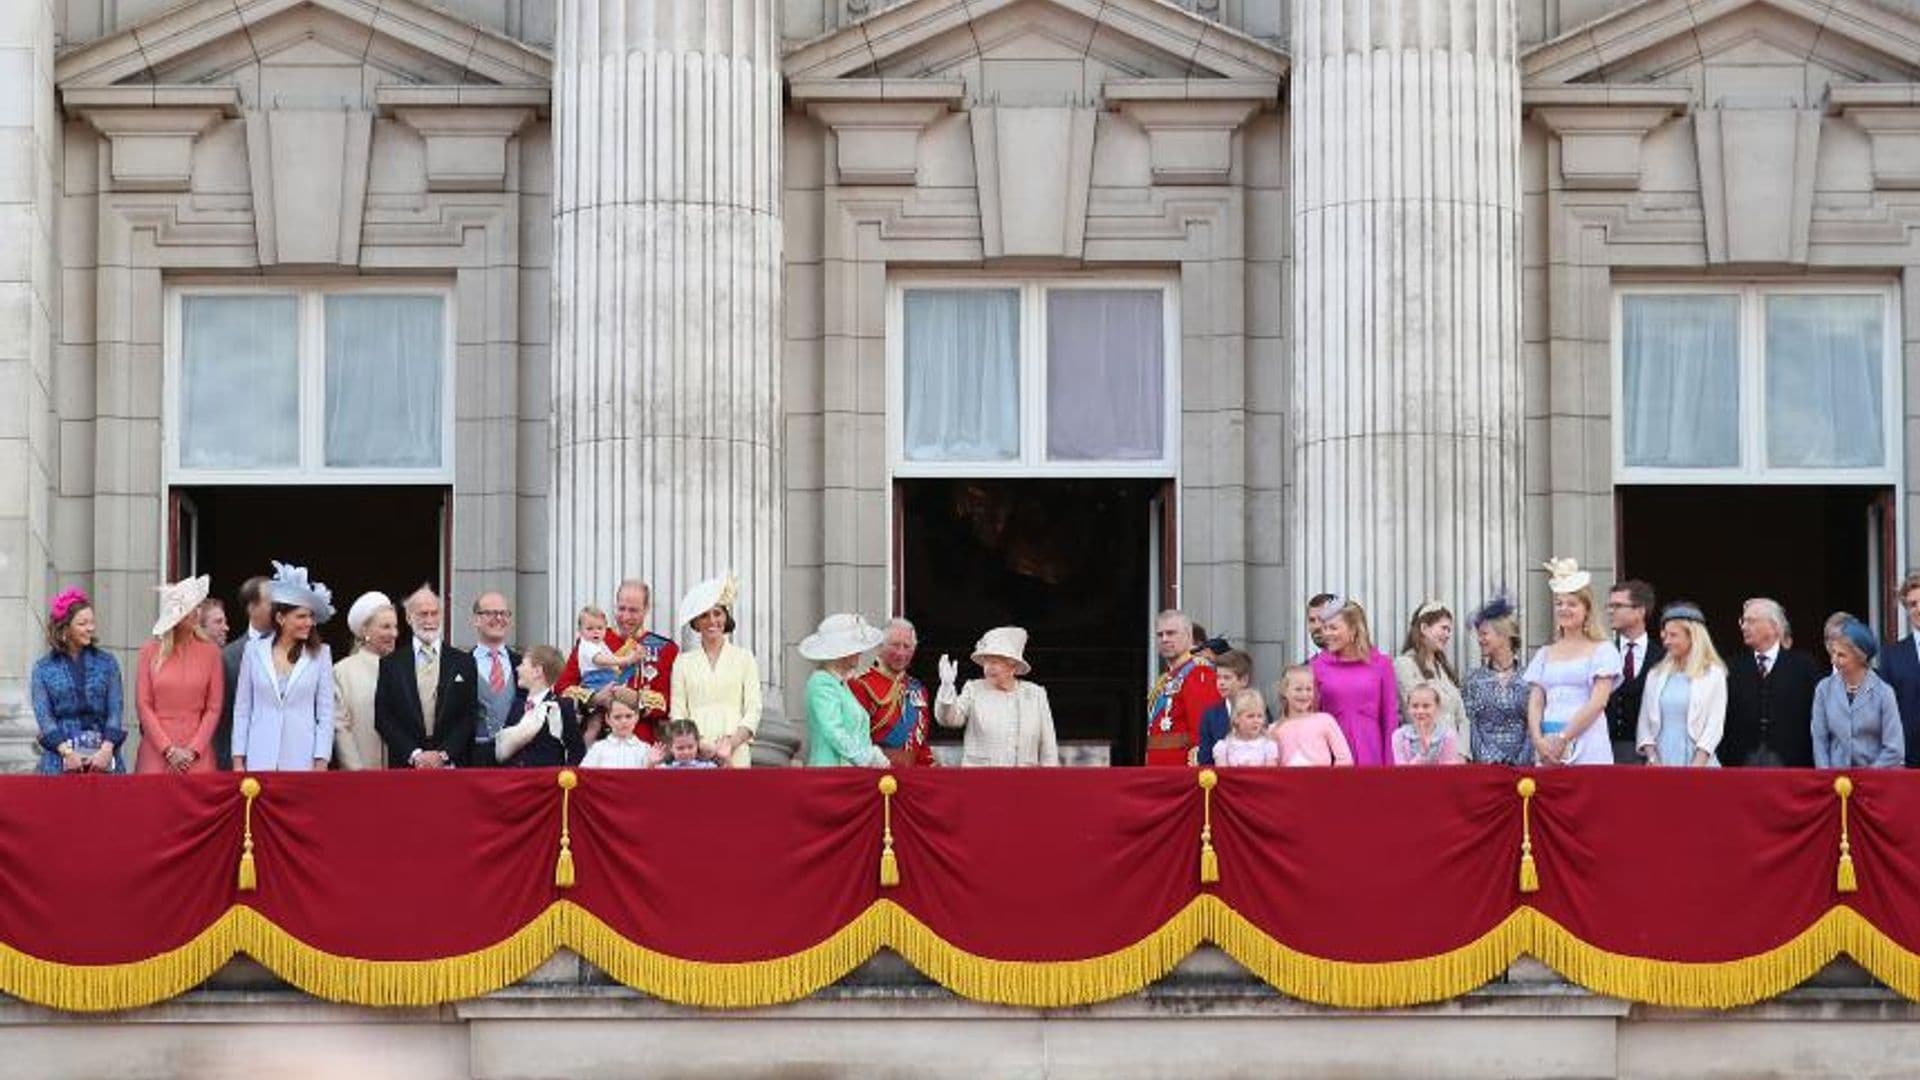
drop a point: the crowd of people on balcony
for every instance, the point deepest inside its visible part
(1650, 687)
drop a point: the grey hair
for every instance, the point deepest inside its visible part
(424, 590)
(1175, 613)
(1771, 611)
(899, 622)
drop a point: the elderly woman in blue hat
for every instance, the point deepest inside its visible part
(1856, 720)
(1683, 711)
(283, 703)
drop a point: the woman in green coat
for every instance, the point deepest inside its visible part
(838, 732)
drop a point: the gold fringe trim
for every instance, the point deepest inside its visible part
(1033, 984)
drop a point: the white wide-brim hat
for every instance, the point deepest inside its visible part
(1565, 575)
(704, 597)
(1007, 642)
(840, 636)
(179, 600)
(364, 609)
(291, 586)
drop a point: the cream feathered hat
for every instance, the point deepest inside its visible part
(1565, 575)
(178, 600)
(720, 592)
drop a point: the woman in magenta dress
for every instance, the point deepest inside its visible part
(1357, 685)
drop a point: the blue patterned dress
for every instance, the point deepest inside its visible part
(1497, 716)
(77, 699)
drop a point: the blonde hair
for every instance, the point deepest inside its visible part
(1591, 628)
(590, 612)
(1248, 700)
(1355, 617)
(1424, 687)
(1701, 655)
(1280, 689)
(169, 641)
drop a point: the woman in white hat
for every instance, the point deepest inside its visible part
(838, 731)
(1008, 721)
(716, 684)
(178, 686)
(283, 706)
(1572, 678)
(375, 625)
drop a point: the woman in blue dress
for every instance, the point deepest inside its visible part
(1683, 711)
(1572, 677)
(1495, 693)
(76, 693)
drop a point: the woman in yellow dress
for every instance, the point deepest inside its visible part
(716, 684)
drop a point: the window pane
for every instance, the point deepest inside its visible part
(1681, 400)
(240, 375)
(1106, 375)
(1824, 381)
(385, 361)
(962, 360)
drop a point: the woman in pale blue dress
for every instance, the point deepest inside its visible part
(1571, 678)
(1683, 711)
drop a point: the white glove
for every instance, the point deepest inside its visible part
(949, 671)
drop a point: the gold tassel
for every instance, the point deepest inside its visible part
(563, 869)
(249, 877)
(889, 865)
(1209, 860)
(1844, 880)
(1529, 874)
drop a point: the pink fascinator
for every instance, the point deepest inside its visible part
(66, 602)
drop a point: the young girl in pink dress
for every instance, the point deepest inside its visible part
(1247, 744)
(1423, 739)
(1304, 734)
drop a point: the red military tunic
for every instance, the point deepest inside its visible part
(1174, 710)
(897, 713)
(651, 677)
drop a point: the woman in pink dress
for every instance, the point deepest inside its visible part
(1357, 685)
(178, 686)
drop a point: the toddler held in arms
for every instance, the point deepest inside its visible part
(1422, 740)
(622, 749)
(1305, 735)
(1248, 744)
(599, 665)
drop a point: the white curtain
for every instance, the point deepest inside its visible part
(1824, 381)
(1682, 380)
(240, 374)
(386, 357)
(1106, 375)
(962, 378)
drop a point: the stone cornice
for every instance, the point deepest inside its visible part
(150, 146)
(1890, 115)
(1601, 132)
(877, 123)
(1190, 123)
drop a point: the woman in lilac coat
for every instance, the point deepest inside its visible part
(1357, 684)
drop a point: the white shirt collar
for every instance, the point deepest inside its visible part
(1639, 644)
(535, 697)
(421, 644)
(257, 635)
(1772, 654)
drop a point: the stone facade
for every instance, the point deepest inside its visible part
(722, 330)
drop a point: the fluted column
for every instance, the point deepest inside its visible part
(666, 393)
(1406, 415)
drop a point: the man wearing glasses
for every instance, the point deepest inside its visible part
(1628, 606)
(500, 696)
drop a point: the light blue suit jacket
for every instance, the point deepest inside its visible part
(289, 731)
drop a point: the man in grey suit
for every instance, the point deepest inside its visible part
(259, 608)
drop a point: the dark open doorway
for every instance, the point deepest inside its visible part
(1817, 550)
(351, 538)
(1077, 562)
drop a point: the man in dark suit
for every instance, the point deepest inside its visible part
(1900, 667)
(1629, 606)
(1769, 693)
(426, 704)
(259, 608)
(502, 699)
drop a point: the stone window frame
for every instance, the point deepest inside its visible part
(1033, 290)
(1753, 469)
(310, 295)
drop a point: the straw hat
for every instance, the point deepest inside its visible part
(839, 636)
(720, 592)
(1006, 642)
(291, 586)
(1565, 575)
(179, 600)
(362, 610)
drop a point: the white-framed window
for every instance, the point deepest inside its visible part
(1756, 383)
(1033, 376)
(348, 382)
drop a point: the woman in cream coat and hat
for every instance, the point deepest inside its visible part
(178, 686)
(375, 625)
(716, 684)
(1008, 721)
(838, 730)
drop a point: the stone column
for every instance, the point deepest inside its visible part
(1406, 411)
(665, 385)
(29, 298)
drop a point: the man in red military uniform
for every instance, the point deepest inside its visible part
(895, 701)
(649, 673)
(1181, 697)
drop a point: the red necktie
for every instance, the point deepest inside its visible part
(497, 677)
(1629, 668)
